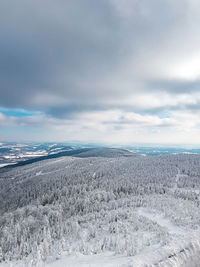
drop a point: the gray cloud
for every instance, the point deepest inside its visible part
(175, 86)
(52, 48)
(77, 50)
(65, 58)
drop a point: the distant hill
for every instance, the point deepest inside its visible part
(81, 153)
(105, 152)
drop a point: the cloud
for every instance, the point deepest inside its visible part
(113, 126)
(124, 63)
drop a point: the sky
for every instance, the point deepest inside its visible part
(109, 71)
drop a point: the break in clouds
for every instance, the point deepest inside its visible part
(114, 71)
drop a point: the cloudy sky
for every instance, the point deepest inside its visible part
(109, 71)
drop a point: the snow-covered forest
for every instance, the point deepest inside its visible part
(142, 209)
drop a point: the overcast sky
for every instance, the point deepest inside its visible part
(108, 71)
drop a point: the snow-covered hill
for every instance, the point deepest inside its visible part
(103, 207)
(12, 153)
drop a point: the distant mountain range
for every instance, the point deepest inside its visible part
(21, 154)
(81, 153)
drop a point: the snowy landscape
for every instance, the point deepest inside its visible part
(12, 153)
(101, 207)
(100, 133)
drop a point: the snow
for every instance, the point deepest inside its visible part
(119, 211)
(38, 173)
(108, 259)
(3, 165)
(177, 178)
(189, 153)
(182, 252)
(6, 164)
(160, 220)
